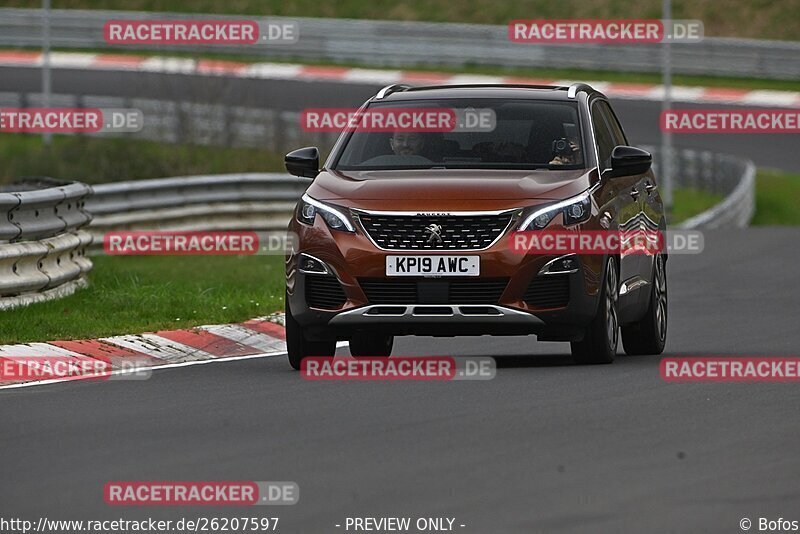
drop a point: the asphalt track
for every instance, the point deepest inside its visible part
(640, 118)
(546, 446)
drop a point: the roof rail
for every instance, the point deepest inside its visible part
(389, 89)
(485, 85)
(575, 87)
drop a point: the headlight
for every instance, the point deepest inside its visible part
(335, 219)
(574, 210)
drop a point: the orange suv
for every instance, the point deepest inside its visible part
(411, 232)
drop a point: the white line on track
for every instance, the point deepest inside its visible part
(340, 344)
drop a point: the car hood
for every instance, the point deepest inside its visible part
(467, 187)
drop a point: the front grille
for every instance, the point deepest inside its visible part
(548, 291)
(458, 232)
(324, 291)
(433, 291)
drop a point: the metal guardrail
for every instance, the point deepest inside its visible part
(280, 131)
(43, 257)
(42, 248)
(405, 44)
(730, 177)
(42, 245)
(738, 207)
(191, 122)
(266, 201)
(257, 201)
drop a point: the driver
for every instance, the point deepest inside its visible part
(407, 143)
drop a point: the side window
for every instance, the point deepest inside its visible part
(604, 138)
(613, 123)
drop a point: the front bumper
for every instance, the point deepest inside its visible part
(352, 258)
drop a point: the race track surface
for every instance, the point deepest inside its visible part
(546, 446)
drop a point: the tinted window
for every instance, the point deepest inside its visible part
(604, 138)
(613, 123)
(526, 134)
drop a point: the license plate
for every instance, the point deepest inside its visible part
(433, 265)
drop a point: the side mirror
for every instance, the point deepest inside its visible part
(629, 161)
(303, 162)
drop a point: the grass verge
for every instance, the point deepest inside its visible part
(138, 294)
(98, 160)
(689, 202)
(776, 195)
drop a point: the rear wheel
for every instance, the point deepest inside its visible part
(599, 344)
(298, 347)
(364, 344)
(649, 335)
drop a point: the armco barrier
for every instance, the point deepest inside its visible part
(43, 254)
(405, 44)
(218, 202)
(738, 207)
(280, 131)
(265, 201)
(42, 245)
(730, 177)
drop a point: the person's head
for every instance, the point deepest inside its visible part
(407, 143)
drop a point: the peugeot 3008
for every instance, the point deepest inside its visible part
(413, 236)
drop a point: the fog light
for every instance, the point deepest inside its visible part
(311, 265)
(563, 265)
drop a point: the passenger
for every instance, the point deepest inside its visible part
(566, 152)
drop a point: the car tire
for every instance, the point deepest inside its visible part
(298, 347)
(599, 343)
(366, 345)
(649, 335)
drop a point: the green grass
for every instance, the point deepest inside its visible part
(98, 160)
(776, 198)
(130, 294)
(766, 19)
(689, 202)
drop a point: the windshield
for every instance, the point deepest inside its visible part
(524, 134)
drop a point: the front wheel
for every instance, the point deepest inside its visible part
(298, 347)
(599, 344)
(649, 335)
